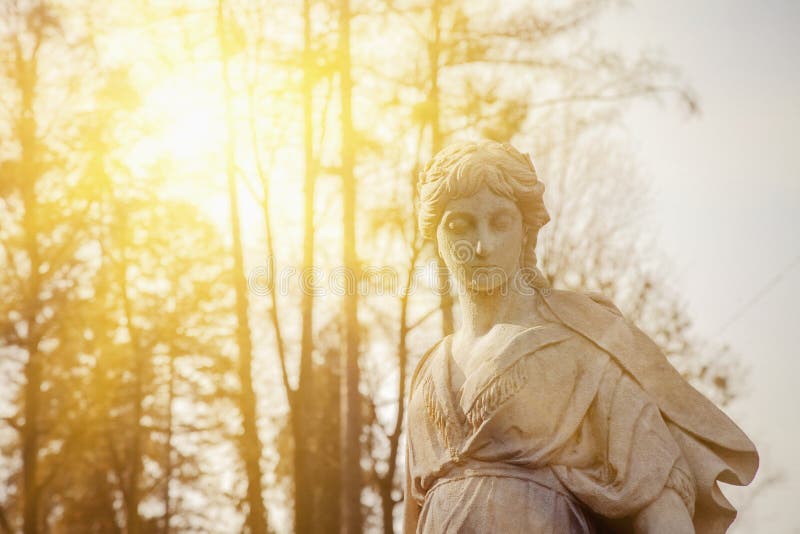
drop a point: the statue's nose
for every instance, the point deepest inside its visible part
(480, 248)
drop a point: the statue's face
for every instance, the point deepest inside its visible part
(480, 239)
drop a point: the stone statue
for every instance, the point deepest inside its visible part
(547, 411)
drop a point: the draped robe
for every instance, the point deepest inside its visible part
(573, 425)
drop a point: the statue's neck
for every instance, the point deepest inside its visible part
(480, 311)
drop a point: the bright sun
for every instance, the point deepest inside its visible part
(186, 142)
(193, 120)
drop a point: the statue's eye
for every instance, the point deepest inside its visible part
(457, 225)
(501, 222)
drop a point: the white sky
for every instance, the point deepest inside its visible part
(726, 192)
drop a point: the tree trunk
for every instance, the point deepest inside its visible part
(303, 457)
(30, 171)
(135, 460)
(168, 443)
(328, 473)
(351, 451)
(434, 52)
(256, 522)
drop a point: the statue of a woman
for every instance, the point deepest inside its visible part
(547, 411)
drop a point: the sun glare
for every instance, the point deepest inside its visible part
(191, 118)
(194, 132)
(186, 139)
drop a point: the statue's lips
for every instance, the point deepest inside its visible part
(484, 270)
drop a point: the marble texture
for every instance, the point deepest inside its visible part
(548, 411)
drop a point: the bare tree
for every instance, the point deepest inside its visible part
(351, 448)
(251, 444)
(495, 74)
(42, 217)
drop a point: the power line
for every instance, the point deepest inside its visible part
(758, 295)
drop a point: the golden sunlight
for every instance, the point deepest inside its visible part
(190, 118)
(231, 231)
(186, 134)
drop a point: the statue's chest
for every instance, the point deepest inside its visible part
(525, 396)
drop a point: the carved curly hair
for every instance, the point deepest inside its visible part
(462, 168)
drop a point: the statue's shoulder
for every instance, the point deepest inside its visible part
(598, 320)
(589, 302)
(423, 362)
(604, 301)
(585, 314)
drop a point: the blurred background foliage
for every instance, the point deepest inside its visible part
(170, 168)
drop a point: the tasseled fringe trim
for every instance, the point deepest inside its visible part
(497, 392)
(435, 412)
(683, 484)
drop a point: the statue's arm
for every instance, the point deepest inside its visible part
(667, 514)
(412, 509)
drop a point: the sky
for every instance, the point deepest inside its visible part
(725, 188)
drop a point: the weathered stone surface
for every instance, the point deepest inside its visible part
(547, 411)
